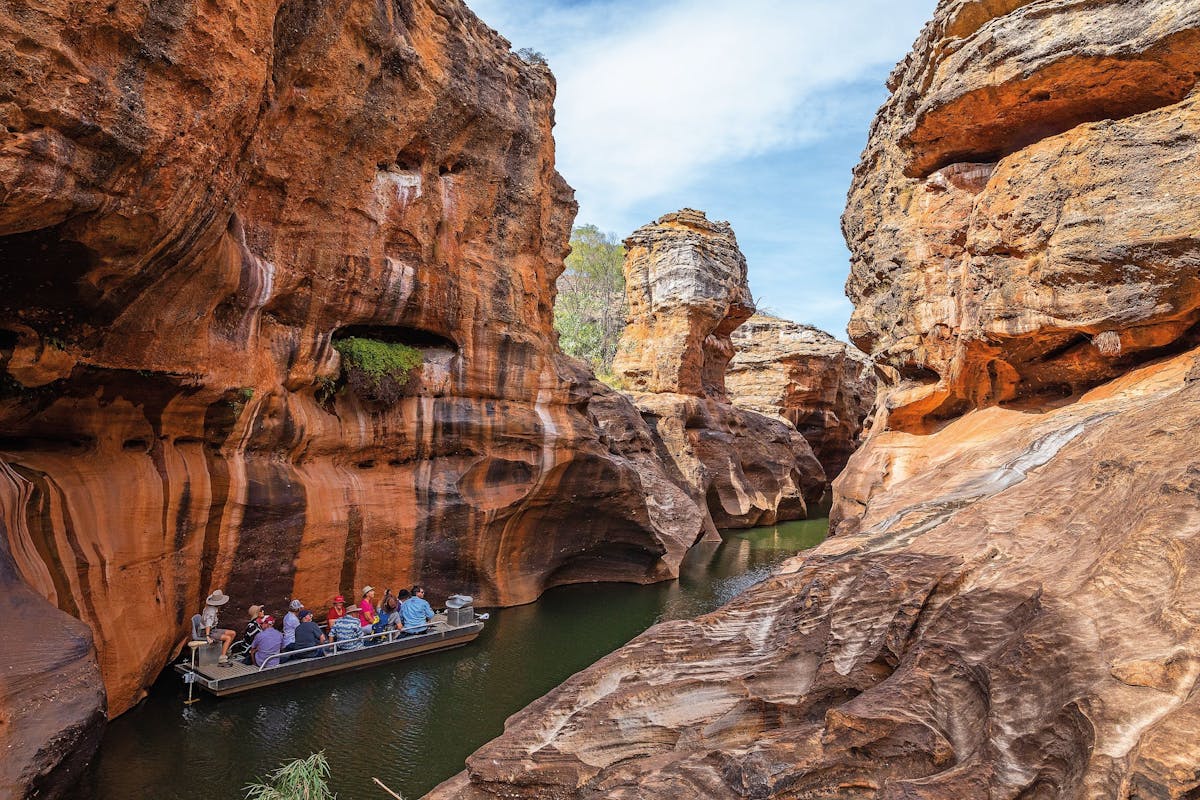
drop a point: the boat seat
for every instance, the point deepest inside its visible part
(197, 643)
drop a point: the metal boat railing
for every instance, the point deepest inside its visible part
(383, 637)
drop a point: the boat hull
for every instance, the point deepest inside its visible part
(233, 679)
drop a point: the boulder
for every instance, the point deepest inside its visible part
(823, 386)
(685, 282)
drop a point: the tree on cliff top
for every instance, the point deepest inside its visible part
(589, 313)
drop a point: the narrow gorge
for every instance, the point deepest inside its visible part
(212, 219)
(1007, 607)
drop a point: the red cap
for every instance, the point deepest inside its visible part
(339, 599)
(267, 622)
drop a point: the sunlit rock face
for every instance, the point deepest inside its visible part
(1006, 608)
(824, 387)
(1023, 222)
(198, 200)
(1014, 618)
(685, 281)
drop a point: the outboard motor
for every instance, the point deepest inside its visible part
(459, 610)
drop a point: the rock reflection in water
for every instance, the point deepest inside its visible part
(412, 724)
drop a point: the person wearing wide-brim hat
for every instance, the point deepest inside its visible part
(209, 615)
(366, 611)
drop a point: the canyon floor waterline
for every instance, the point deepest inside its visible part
(412, 724)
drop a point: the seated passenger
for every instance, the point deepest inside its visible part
(291, 621)
(366, 613)
(337, 611)
(416, 613)
(388, 609)
(308, 635)
(347, 632)
(268, 643)
(212, 632)
(252, 629)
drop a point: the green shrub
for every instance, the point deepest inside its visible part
(302, 779)
(377, 370)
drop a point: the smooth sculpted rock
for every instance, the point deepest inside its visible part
(1023, 221)
(1015, 616)
(824, 387)
(1007, 607)
(202, 205)
(685, 282)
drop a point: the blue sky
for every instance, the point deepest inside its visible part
(754, 111)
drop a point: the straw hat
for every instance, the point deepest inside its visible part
(367, 590)
(217, 598)
(255, 611)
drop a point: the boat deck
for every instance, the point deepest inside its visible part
(234, 678)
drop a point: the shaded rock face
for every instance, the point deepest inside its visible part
(198, 201)
(1007, 607)
(685, 281)
(824, 387)
(1022, 223)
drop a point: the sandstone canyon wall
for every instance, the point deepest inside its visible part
(1008, 607)
(824, 387)
(198, 202)
(685, 280)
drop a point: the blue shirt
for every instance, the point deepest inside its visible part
(267, 644)
(290, 623)
(347, 632)
(416, 613)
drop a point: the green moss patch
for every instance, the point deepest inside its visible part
(377, 370)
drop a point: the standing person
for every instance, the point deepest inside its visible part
(252, 629)
(416, 613)
(268, 643)
(209, 615)
(291, 622)
(366, 611)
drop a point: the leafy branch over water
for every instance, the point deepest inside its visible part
(302, 779)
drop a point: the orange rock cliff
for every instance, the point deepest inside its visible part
(824, 387)
(685, 280)
(199, 203)
(1008, 607)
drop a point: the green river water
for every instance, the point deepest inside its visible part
(413, 723)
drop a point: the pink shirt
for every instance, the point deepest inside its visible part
(366, 612)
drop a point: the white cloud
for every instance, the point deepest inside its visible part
(651, 96)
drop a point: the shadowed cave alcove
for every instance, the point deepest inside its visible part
(383, 363)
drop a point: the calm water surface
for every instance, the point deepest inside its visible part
(413, 723)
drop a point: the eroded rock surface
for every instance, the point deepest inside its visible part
(1022, 223)
(824, 387)
(685, 281)
(197, 201)
(1007, 608)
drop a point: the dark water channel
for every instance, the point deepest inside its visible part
(412, 723)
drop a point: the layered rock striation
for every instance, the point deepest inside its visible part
(824, 387)
(1021, 227)
(685, 280)
(1006, 609)
(200, 204)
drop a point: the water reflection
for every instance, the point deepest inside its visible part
(412, 724)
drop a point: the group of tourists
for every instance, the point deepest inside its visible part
(351, 628)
